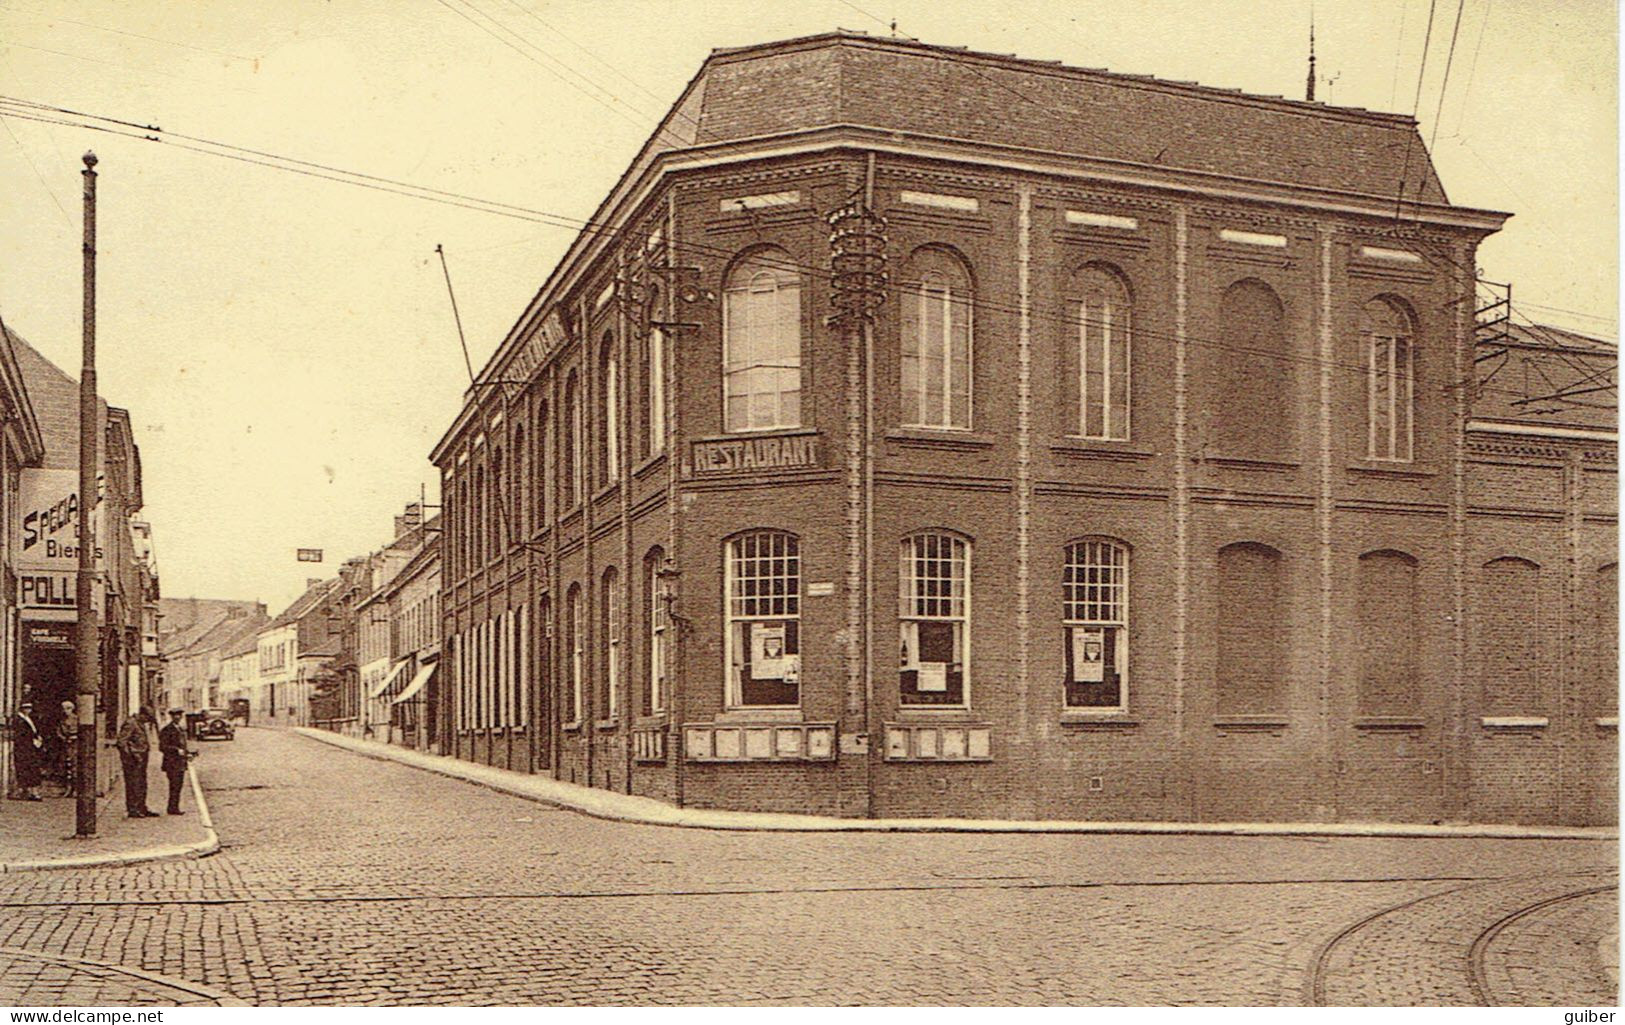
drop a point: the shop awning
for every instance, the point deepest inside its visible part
(416, 685)
(388, 681)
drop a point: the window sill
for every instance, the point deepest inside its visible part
(1099, 448)
(1103, 719)
(1514, 723)
(1391, 470)
(933, 712)
(571, 726)
(1250, 723)
(608, 724)
(1607, 722)
(946, 439)
(1389, 723)
(607, 491)
(763, 713)
(1249, 463)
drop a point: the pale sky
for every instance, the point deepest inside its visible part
(285, 345)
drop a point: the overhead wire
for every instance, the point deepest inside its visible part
(331, 173)
(1444, 83)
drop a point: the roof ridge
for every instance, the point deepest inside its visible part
(1220, 93)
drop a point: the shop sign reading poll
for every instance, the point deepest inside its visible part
(47, 544)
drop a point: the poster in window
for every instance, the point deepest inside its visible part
(767, 658)
(1088, 655)
(933, 678)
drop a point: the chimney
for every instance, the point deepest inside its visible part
(411, 519)
(312, 582)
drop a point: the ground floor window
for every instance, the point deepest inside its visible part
(1094, 598)
(764, 619)
(934, 617)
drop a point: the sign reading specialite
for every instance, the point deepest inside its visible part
(47, 543)
(751, 454)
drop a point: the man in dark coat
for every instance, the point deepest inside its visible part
(172, 744)
(133, 746)
(27, 752)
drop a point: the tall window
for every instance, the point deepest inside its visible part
(936, 343)
(1390, 385)
(544, 466)
(570, 444)
(934, 614)
(1094, 604)
(1252, 419)
(761, 344)
(572, 643)
(654, 692)
(1101, 349)
(1252, 631)
(657, 391)
(611, 628)
(1604, 697)
(609, 407)
(1390, 676)
(460, 549)
(482, 513)
(764, 619)
(519, 487)
(496, 507)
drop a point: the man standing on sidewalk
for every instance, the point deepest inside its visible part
(172, 744)
(133, 746)
(27, 752)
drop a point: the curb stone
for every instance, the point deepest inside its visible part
(210, 844)
(615, 807)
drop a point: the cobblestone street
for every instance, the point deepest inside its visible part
(348, 880)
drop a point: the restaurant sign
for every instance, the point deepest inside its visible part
(747, 455)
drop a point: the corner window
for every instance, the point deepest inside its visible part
(934, 616)
(1094, 602)
(1102, 331)
(1390, 387)
(764, 620)
(936, 342)
(761, 344)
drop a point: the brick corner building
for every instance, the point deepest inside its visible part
(920, 432)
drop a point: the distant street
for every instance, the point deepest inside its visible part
(346, 880)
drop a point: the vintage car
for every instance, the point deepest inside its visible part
(215, 724)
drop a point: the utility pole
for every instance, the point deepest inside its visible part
(87, 633)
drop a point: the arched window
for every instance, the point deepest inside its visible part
(764, 619)
(656, 392)
(1252, 641)
(1390, 382)
(544, 468)
(460, 549)
(482, 516)
(936, 341)
(934, 615)
(1098, 383)
(573, 640)
(1253, 373)
(610, 628)
(609, 410)
(570, 445)
(496, 508)
(654, 605)
(1509, 642)
(761, 344)
(1094, 616)
(1390, 672)
(519, 487)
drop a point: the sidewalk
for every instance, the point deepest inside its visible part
(39, 835)
(606, 804)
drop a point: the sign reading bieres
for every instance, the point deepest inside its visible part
(754, 454)
(47, 543)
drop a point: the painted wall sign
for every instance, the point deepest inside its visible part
(47, 543)
(752, 454)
